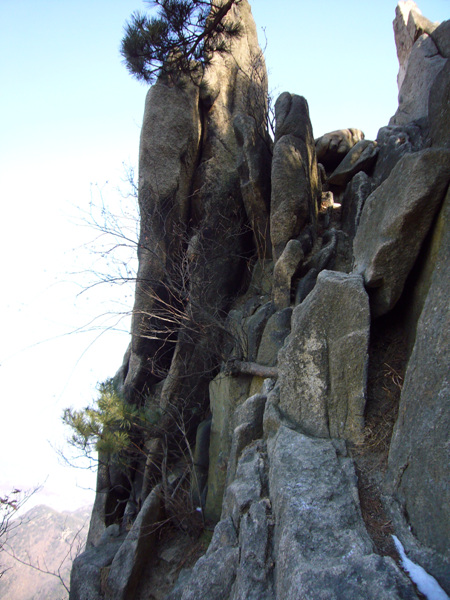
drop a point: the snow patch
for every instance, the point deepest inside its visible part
(426, 584)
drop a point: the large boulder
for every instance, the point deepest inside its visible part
(234, 83)
(393, 142)
(248, 426)
(254, 171)
(275, 332)
(246, 325)
(394, 222)
(169, 147)
(126, 568)
(292, 528)
(438, 103)
(237, 564)
(332, 147)
(441, 37)
(283, 271)
(424, 65)
(419, 59)
(295, 177)
(360, 158)
(353, 199)
(86, 575)
(323, 364)
(213, 575)
(226, 393)
(409, 24)
(419, 460)
(322, 548)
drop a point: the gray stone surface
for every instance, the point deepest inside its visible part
(355, 195)
(292, 117)
(247, 484)
(441, 37)
(394, 222)
(246, 325)
(322, 548)
(169, 147)
(284, 269)
(253, 328)
(360, 158)
(409, 24)
(226, 393)
(85, 578)
(322, 365)
(438, 107)
(332, 147)
(306, 285)
(323, 258)
(277, 328)
(393, 143)
(248, 426)
(419, 459)
(213, 576)
(424, 65)
(254, 161)
(295, 178)
(126, 568)
(253, 574)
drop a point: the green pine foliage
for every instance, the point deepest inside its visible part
(106, 426)
(182, 38)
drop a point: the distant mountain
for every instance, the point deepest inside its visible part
(50, 540)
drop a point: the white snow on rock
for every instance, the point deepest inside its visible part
(426, 584)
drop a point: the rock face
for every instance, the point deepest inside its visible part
(319, 548)
(420, 62)
(332, 147)
(323, 364)
(360, 158)
(170, 142)
(385, 255)
(419, 458)
(295, 178)
(290, 345)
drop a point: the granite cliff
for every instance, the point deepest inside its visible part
(290, 340)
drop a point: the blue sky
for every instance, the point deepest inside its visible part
(70, 118)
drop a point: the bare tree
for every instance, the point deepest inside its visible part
(74, 546)
(9, 520)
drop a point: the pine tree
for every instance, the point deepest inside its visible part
(182, 38)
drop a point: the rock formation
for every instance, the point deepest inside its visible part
(291, 335)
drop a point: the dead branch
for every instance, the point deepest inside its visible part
(239, 367)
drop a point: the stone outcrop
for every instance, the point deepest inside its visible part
(332, 147)
(170, 143)
(289, 344)
(323, 364)
(409, 25)
(403, 207)
(254, 172)
(420, 62)
(123, 576)
(418, 457)
(295, 177)
(360, 158)
(319, 548)
(316, 545)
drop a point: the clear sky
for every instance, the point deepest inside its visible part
(70, 117)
